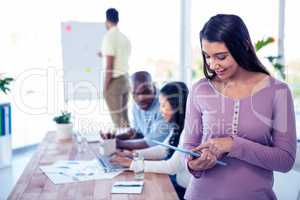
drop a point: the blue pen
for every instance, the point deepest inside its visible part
(185, 151)
(132, 185)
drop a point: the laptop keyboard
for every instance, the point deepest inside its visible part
(104, 162)
(108, 166)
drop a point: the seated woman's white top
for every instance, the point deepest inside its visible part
(157, 152)
(154, 162)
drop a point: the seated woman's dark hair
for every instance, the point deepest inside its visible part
(231, 30)
(176, 94)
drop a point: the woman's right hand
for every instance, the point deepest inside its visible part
(207, 160)
(124, 153)
(119, 160)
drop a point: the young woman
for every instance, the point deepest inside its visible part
(172, 100)
(238, 114)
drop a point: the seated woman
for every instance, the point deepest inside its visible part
(172, 100)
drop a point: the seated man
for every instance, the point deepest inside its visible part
(148, 122)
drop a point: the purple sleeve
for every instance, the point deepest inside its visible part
(193, 126)
(280, 156)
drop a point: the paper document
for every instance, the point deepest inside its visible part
(66, 171)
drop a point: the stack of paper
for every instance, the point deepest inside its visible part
(66, 171)
(127, 187)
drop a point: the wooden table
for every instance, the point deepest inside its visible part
(33, 184)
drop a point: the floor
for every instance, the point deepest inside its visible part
(10, 175)
(287, 186)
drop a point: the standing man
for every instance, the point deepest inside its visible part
(116, 51)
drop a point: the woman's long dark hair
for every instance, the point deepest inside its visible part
(176, 94)
(231, 30)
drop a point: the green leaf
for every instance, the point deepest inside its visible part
(4, 83)
(264, 42)
(64, 118)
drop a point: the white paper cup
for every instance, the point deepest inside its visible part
(108, 147)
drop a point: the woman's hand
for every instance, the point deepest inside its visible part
(206, 161)
(217, 146)
(124, 153)
(130, 134)
(107, 136)
(120, 160)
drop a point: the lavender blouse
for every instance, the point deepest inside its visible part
(263, 128)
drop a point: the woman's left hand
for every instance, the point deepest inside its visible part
(120, 160)
(217, 146)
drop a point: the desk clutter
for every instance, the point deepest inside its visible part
(73, 176)
(71, 171)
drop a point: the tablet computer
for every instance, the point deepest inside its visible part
(185, 151)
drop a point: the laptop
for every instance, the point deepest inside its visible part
(106, 164)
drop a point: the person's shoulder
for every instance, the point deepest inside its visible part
(277, 89)
(110, 34)
(201, 85)
(278, 84)
(135, 109)
(281, 92)
(201, 82)
(115, 32)
(155, 105)
(123, 37)
(107, 38)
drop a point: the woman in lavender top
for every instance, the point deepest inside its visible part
(238, 114)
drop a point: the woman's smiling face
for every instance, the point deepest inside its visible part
(219, 59)
(165, 108)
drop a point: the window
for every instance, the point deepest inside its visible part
(292, 56)
(153, 28)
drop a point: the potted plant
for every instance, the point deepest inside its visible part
(274, 60)
(64, 127)
(4, 83)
